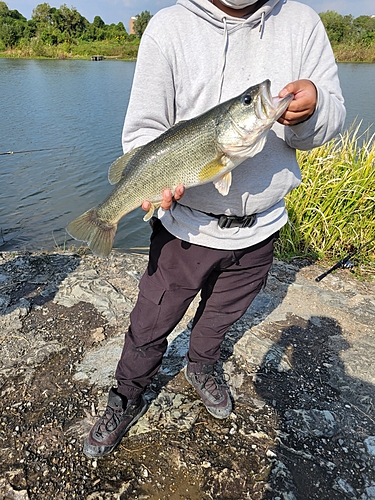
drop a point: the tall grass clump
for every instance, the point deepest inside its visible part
(332, 212)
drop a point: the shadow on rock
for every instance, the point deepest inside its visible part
(326, 444)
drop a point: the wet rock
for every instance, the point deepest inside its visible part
(168, 411)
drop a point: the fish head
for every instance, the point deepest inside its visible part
(244, 124)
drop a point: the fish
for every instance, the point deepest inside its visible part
(197, 151)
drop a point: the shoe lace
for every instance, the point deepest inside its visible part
(109, 421)
(212, 382)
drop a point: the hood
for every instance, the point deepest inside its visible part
(226, 24)
(221, 21)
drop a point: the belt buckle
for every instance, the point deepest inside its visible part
(248, 220)
(227, 221)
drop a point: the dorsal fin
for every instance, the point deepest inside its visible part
(118, 166)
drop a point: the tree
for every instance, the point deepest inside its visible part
(98, 22)
(3, 9)
(365, 29)
(42, 14)
(141, 22)
(338, 27)
(117, 32)
(12, 25)
(69, 22)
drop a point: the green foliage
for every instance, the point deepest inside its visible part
(338, 27)
(332, 211)
(12, 25)
(53, 26)
(141, 22)
(347, 29)
(98, 22)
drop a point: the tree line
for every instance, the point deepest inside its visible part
(348, 29)
(54, 26)
(51, 26)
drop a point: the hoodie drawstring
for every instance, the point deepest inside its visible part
(225, 45)
(261, 26)
(224, 58)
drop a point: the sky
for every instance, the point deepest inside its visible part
(114, 11)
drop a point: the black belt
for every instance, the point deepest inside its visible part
(226, 221)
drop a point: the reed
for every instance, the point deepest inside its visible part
(354, 52)
(333, 210)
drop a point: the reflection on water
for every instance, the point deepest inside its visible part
(68, 115)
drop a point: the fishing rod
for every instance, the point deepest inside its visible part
(28, 151)
(345, 262)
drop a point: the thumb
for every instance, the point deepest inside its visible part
(288, 89)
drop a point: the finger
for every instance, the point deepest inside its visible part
(167, 199)
(179, 191)
(291, 88)
(146, 205)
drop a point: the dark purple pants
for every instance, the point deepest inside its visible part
(229, 281)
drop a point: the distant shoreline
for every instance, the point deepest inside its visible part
(343, 53)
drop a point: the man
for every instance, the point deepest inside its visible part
(193, 56)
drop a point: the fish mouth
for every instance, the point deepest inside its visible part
(268, 107)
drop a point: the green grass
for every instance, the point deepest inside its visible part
(332, 212)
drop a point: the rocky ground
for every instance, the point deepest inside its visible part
(300, 365)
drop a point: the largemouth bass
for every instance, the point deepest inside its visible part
(197, 151)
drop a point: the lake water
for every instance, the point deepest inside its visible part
(63, 121)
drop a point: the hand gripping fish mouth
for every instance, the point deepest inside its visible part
(204, 149)
(249, 132)
(268, 107)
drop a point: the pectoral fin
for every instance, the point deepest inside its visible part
(224, 183)
(150, 213)
(212, 169)
(118, 166)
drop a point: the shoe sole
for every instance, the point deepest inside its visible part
(111, 448)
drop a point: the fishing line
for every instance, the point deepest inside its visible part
(29, 151)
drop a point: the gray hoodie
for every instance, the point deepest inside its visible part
(193, 56)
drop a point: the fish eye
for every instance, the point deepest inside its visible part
(247, 99)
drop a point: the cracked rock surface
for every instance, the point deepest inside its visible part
(299, 363)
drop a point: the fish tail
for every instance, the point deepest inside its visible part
(98, 234)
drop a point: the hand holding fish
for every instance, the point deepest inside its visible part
(303, 104)
(168, 198)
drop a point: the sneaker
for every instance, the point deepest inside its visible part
(211, 388)
(116, 420)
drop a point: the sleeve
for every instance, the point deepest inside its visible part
(319, 66)
(151, 105)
